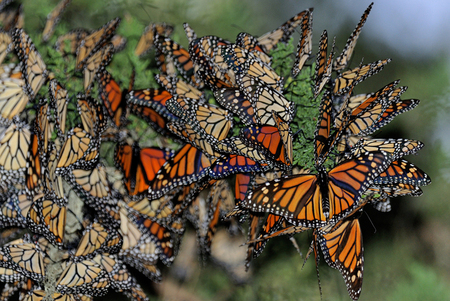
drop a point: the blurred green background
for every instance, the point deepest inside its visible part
(406, 250)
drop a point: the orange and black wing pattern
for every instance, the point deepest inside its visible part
(150, 105)
(342, 60)
(113, 98)
(139, 165)
(188, 165)
(342, 248)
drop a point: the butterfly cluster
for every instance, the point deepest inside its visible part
(73, 224)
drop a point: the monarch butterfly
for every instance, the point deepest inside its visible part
(190, 33)
(24, 257)
(92, 183)
(323, 65)
(304, 46)
(282, 33)
(267, 100)
(180, 57)
(402, 172)
(139, 248)
(136, 292)
(129, 231)
(396, 107)
(109, 263)
(12, 17)
(94, 41)
(140, 166)
(232, 164)
(14, 145)
(74, 150)
(59, 101)
(43, 129)
(220, 68)
(313, 200)
(161, 237)
(341, 245)
(34, 295)
(250, 43)
(254, 226)
(376, 101)
(342, 248)
(259, 72)
(342, 60)
(113, 97)
(214, 120)
(207, 52)
(286, 135)
(11, 70)
(13, 99)
(147, 38)
(150, 105)
(6, 44)
(324, 139)
(96, 239)
(196, 137)
(47, 216)
(235, 101)
(235, 145)
(206, 119)
(159, 210)
(402, 147)
(243, 183)
(34, 166)
(118, 43)
(165, 63)
(14, 210)
(91, 114)
(348, 79)
(34, 70)
(376, 110)
(70, 297)
(271, 224)
(188, 165)
(376, 193)
(96, 63)
(83, 277)
(206, 214)
(120, 277)
(69, 42)
(179, 88)
(204, 49)
(270, 140)
(53, 19)
(53, 184)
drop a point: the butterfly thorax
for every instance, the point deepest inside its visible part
(322, 180)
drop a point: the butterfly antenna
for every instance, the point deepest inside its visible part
(373, 225)
(317, 259)
(311, 248)
(238, 27)
(143, 8)
(248, 259)
(300, 131)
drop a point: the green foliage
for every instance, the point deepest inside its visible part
(424, 284)
(299, 91)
